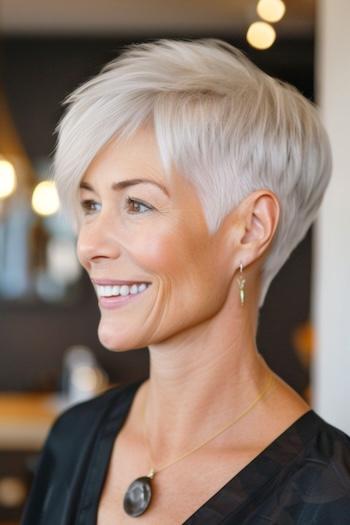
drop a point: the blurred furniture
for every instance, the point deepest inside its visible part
(25, 420)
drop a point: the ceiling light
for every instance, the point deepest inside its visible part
(261, 35)
(45, 198)
(7, 178)
(271, 10)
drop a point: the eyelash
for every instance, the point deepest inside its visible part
(141, 203)
(88, 204)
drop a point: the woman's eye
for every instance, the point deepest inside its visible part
(136, 206)
(89, 206)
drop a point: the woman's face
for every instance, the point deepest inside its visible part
(152, 232)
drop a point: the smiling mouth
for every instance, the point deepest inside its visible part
(118, 291)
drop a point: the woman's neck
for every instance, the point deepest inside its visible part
(198, 383)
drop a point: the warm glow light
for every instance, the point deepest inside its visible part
(271, 10)
(7, 178)
(261, 35)
(45, 198)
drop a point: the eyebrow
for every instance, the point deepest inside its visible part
(126, 183)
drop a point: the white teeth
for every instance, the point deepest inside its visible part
(107, 291)
(134, 289)
(115, 290)
(124, 290)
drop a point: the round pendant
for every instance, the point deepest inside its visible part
(138, 496)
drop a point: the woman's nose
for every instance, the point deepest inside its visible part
(97, 242)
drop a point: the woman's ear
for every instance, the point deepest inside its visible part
(260, 216)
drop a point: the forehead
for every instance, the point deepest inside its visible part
(134, 157)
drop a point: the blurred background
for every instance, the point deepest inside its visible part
(50, 356)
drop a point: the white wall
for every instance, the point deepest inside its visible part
(331, 290)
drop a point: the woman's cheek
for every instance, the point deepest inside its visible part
(158, 253)
(156, 248)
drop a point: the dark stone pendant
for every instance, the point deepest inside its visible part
(138, 496)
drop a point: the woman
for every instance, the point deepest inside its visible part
(191, 176)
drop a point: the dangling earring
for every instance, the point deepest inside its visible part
(241, 284)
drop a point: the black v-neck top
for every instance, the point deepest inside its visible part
(302, 477)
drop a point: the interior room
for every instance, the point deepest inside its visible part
(50, 353)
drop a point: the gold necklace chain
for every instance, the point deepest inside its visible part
(154, 471)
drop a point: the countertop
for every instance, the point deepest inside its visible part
(25, 419)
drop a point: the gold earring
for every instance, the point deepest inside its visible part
(241, 284)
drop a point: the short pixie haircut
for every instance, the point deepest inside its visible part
(227, 126)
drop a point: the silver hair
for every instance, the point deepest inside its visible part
(226, 125)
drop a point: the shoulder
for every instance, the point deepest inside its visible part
(330, 443)
(329, 454)
(321, 483)
(307, 477)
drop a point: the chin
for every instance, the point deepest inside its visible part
(116, 342)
